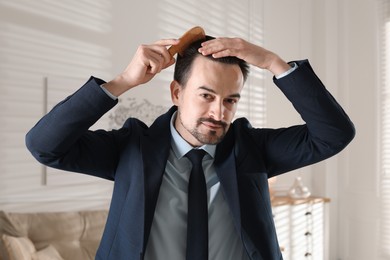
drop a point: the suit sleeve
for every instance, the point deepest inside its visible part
(61, 139)
(327, 131)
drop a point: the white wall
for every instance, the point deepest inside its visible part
(288, 32)
(359, 168)
(339, 38)
(345, 53)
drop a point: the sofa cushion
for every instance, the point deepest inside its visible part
(48, 253)
(75, 235)
(7, 227)
(16, 248)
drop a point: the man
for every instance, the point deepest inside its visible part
(148, 213)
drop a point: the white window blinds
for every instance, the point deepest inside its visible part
(384, 7)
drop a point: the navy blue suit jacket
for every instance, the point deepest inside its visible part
(135, 157)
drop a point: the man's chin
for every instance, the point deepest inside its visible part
(211, 138)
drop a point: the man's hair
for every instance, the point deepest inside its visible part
(184, 62)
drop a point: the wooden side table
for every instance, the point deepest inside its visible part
(300, 226)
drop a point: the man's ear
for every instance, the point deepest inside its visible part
(175, 91)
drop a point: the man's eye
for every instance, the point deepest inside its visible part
(231, 101)
(207, 96)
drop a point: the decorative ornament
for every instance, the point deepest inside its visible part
(299, 190)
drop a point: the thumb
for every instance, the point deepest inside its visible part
(170, 63)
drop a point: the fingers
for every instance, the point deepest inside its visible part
(164, 51)
(157, 61)
(166, 42)
(251, 53)
(222, 47)
(156, 56)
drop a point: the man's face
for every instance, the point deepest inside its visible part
(208, 102)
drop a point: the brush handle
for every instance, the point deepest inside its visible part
(192, 35)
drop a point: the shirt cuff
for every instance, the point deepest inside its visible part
(108, 92)
(293, 65)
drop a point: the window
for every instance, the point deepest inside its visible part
(384, 8)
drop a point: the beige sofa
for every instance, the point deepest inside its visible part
(60, 235)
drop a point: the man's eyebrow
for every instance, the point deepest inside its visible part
(236, 95)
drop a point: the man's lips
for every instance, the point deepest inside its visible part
(213, 123)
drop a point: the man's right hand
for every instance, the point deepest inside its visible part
(148, 61)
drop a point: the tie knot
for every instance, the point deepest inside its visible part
(196, 156)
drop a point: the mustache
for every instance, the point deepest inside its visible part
(210, 120)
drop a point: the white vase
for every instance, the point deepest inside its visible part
(299, 190)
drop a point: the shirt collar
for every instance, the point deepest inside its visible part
(181, 147)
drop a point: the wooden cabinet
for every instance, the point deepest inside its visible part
(301, 227)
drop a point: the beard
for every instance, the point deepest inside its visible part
(211, 137)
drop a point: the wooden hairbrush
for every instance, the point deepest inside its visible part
(192, 35)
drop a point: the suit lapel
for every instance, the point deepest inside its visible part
(155, 145)
(226, 170)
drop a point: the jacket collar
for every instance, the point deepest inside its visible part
(225, 166)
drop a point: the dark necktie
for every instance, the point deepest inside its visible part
(197, 219)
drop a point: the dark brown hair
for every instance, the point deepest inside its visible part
(184, 62)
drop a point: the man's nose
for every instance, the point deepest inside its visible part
(217, 111)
